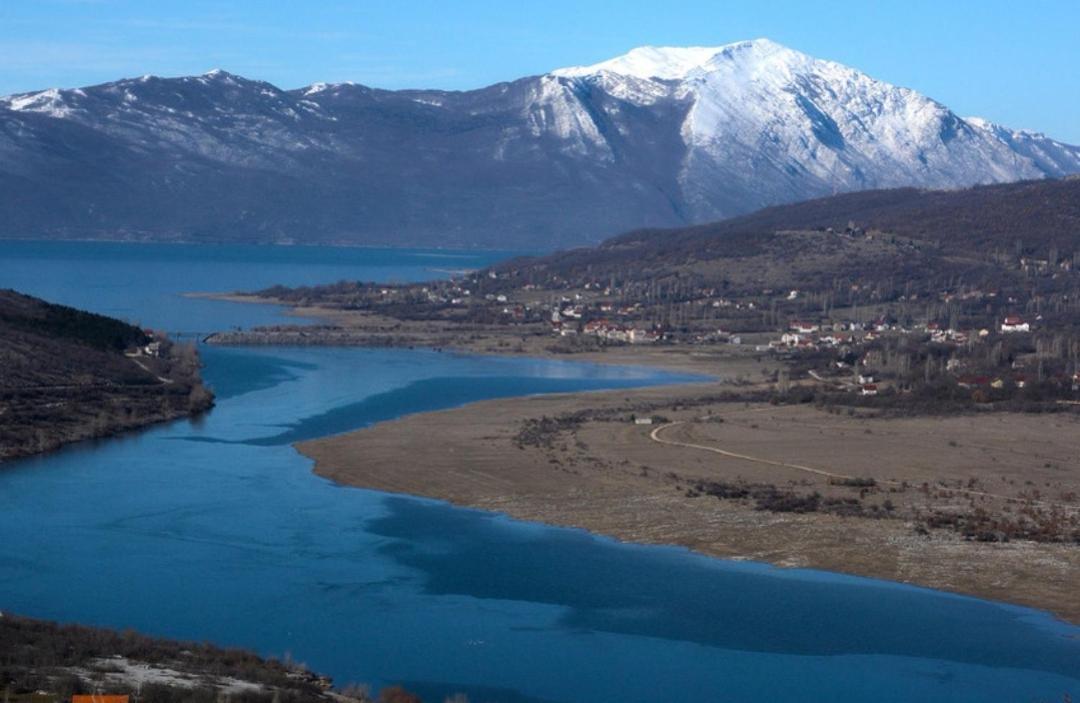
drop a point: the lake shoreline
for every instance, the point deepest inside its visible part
(472, 459)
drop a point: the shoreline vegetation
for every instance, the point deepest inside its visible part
(71, 375)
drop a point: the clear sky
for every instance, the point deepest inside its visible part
(1011, 62)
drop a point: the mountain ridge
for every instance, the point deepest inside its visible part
(568, 157)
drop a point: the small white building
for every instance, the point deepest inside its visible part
(1014, 323)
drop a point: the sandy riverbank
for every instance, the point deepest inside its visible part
(610, 476)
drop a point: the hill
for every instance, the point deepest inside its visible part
(953, 298)
(871, 235)
(72, 375)
(660, 137)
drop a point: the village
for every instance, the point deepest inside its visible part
(986, 342)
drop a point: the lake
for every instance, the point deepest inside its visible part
(216, 529)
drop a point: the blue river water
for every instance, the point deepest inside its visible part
(216, 529)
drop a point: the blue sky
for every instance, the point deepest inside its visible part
(1014, 63)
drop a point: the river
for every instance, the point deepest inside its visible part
(216, 529)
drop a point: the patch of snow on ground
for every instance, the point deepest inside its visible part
(123, 671)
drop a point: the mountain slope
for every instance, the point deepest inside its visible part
(658, 137)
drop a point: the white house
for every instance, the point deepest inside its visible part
(1014, 323)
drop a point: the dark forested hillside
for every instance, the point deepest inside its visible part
(36, 317)
(1034, 218)
(67, 375)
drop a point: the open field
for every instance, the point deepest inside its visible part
(979, 504)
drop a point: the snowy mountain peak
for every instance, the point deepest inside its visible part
(660, 136)
(217, 76)
(49, 102)
(677, 63)
(811, 125)
(985, 124)
(322, 87)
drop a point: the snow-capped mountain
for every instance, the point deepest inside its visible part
(659, 136)
(774, 125)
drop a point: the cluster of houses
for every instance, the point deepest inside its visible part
(567, 314)
(1020, 380)
(455, 294)
(621, 333)
(1044, 266)
(611, 332)
(973, 381)
(811, 336)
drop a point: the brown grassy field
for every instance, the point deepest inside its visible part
(889, 491)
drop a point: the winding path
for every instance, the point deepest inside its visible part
(144, 367)
(655, 436)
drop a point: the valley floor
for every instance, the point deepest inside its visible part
(738, 480)
(985, 504)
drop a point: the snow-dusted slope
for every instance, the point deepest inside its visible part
(1048, 155)
(773, 125)
(663, 62)
(659, 136)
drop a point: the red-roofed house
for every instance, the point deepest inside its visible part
(803, 327)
